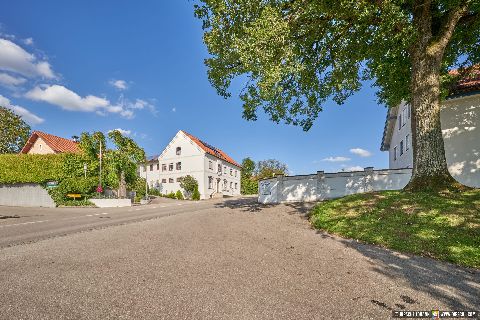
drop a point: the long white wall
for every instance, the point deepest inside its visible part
(323, 186)
(25, 195)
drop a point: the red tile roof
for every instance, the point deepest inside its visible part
(57, 144)
(469, 80)
(212, 150)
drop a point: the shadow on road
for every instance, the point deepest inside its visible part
(249, 204)
(425, 274)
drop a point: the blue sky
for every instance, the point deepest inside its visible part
(76, 66)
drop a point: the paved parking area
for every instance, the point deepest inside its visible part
(231, 259)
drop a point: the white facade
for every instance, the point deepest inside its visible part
(460, 120)
(321, 186)
(186, 156)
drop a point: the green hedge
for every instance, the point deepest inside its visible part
(31, 168)
(86, 187)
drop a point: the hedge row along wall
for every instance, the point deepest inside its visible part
(31, 168)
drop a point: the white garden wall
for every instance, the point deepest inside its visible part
(25, 195)
(322, 185)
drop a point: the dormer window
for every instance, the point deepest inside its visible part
(179, 151)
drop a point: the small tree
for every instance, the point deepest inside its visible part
(179, 195)
(249, 184)
(189, 184)
(270, 168)
(14, 132)
(196, 194)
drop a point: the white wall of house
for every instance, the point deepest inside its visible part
(40, 147)
(400, 153)
(323, 186)
(461, 133)
(194, 161)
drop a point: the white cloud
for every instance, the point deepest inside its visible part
(14, 58)
(353, 168)
(119, 84)
(28, 41)
(21, 111)
(122, 131)
(174, 109)
(11, 81)
(361, 152)
(336, 159)
(456, 168)
(66, 99)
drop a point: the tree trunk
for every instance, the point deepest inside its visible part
(429, 163)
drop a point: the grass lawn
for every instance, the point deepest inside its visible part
(442, 226)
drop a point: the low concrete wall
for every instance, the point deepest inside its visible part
(323, 186)
(109, 203)
(25, 195)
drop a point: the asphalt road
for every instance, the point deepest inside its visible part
(230, 259)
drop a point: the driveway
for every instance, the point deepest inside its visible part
(231, 259)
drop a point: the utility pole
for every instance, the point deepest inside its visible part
(146, 181)
(100, 175)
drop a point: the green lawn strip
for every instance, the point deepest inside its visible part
(442, 226)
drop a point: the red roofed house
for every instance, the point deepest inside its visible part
(44, 143)
(460, 119)
(216, 172)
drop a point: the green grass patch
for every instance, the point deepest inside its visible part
(444, 226)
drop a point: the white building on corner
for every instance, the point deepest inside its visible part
(216, 172)
(460, 120)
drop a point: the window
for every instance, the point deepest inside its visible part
(179, 151)
(220, 168)
(210, 182)
(158, 166)
(236, 185)
(170, 167)
(409, 111)
(395, 153)
(179, 166)
(164, 167)
(231, 172)
(400, 122)
(225, 184)
(405, 116)
(210, 165)
(407, 142)
(235, 175)
(401, 147)
(231, 185)
(179, 179)
(225, 169)
(151, 167)
(164, 180)
(170, 180)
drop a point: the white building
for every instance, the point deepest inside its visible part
(460, 120)
(217, 173)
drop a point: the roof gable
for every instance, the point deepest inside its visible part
(57, 144)
(216, 152)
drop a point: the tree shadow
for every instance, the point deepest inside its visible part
(434, 277)
(249, 204)
(304, 209)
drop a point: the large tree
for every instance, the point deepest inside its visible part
(297, 54)
(14, 132)
(270, 168)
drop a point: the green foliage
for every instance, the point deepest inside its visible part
(444, 225)
(171, 195)
(14, 132)
(196, 194)
(270, 168)
(33, 168)
(189, 184)
(179, 195)
(138, 185)
(248, 183)
(297, 55)
(86, 187)
(154, 192)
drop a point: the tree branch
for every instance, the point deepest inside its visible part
(447, 29)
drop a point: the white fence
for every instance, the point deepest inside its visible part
(323, 186)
